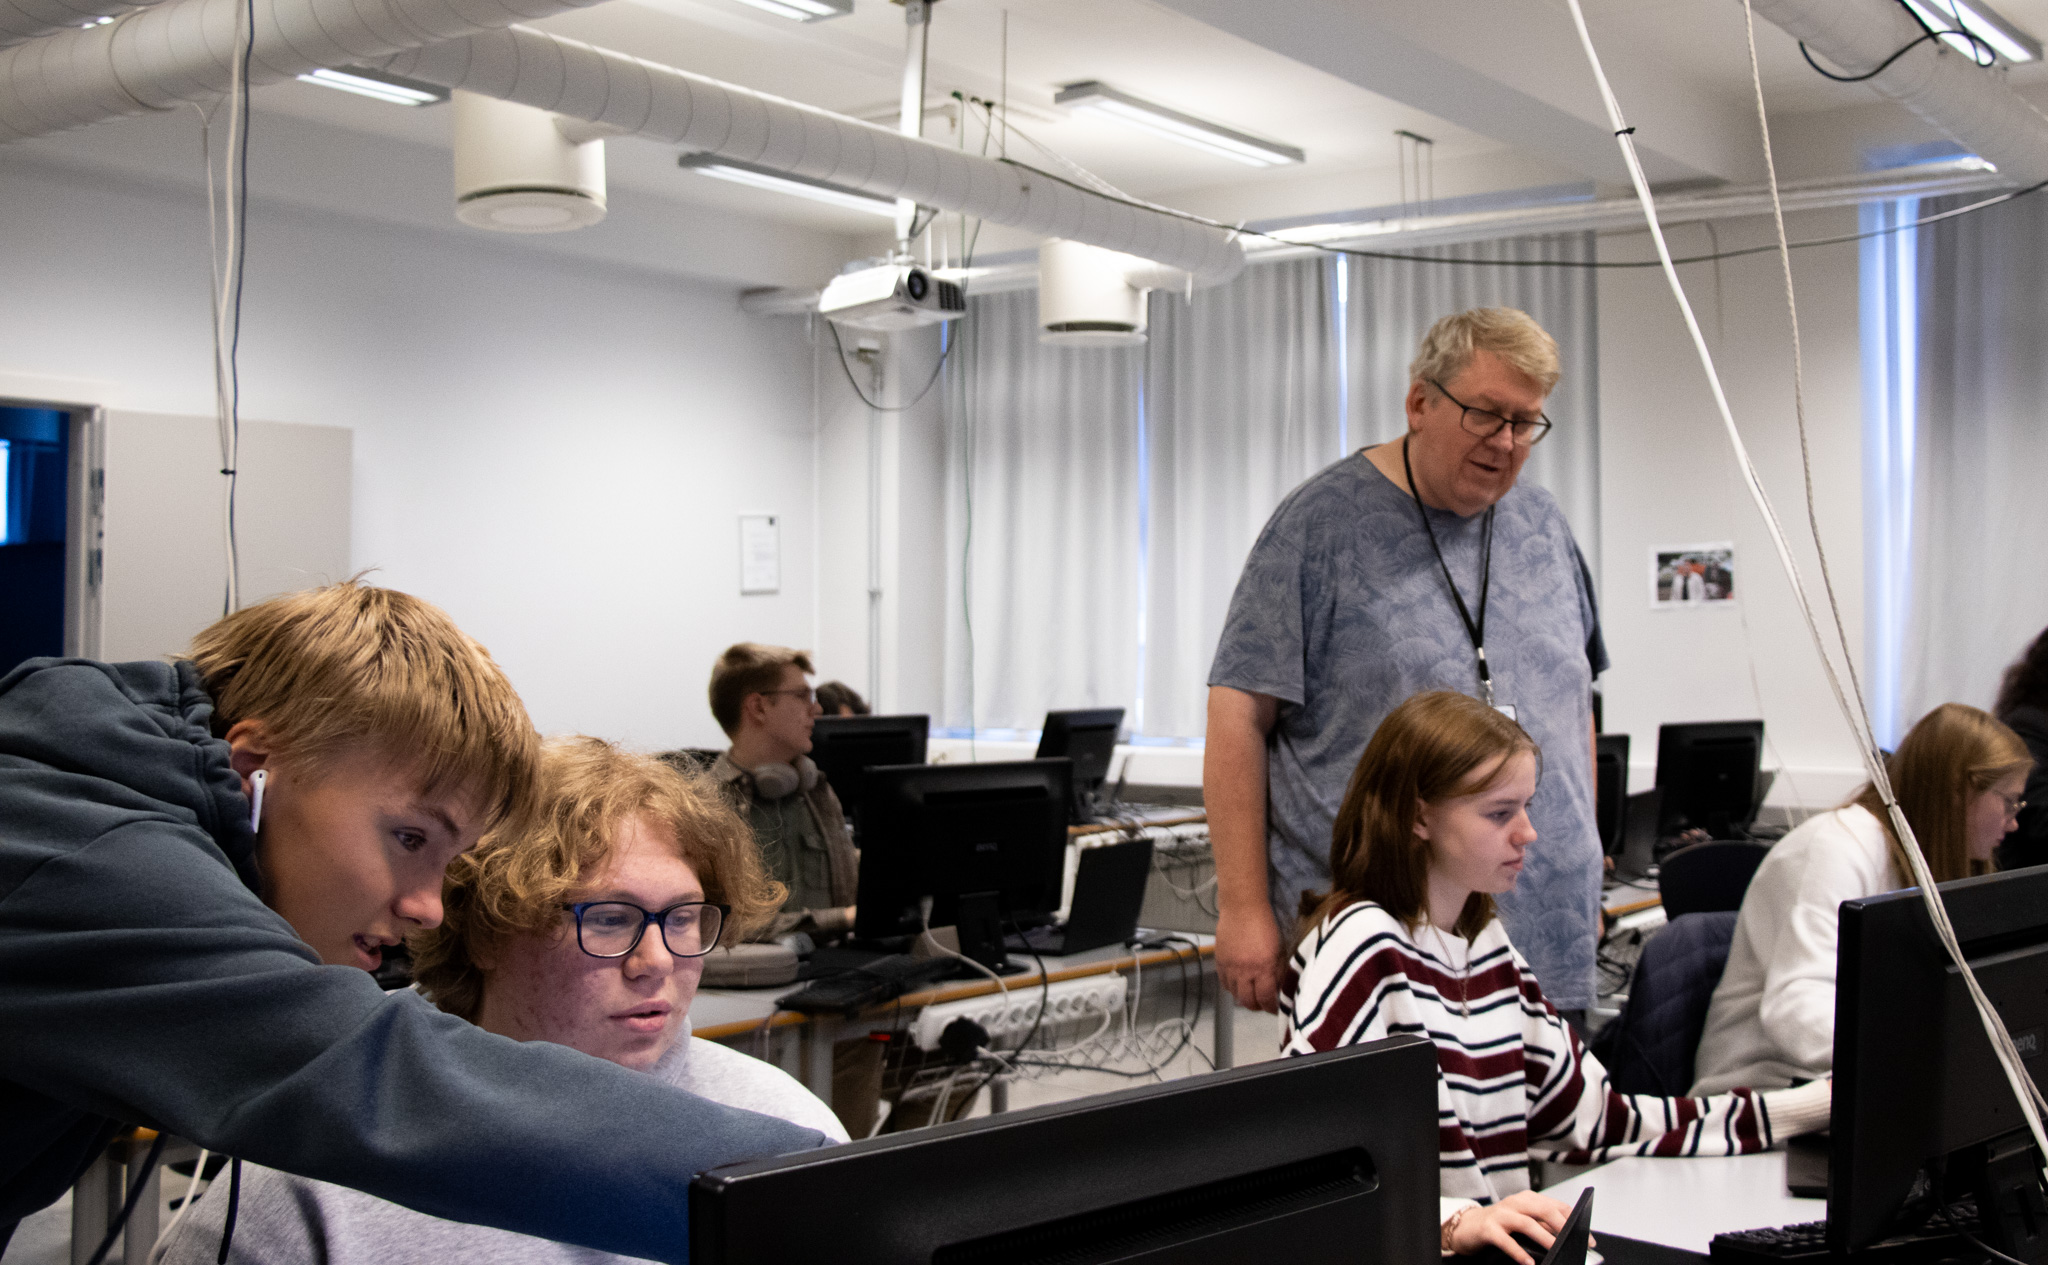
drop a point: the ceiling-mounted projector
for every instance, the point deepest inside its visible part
(891, 297)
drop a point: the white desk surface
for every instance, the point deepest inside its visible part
(714, 1008)
(1683, 1203)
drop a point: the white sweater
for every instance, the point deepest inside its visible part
(1772, 1020)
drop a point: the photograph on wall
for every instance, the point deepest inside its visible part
(1691, 576)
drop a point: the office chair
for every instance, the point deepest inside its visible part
(1650, 1047)
(1707, 877)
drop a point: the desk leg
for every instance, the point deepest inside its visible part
(1226, 1027)
(814, 1052)
(91, 1213)
(998, 1094)
(138, 1237)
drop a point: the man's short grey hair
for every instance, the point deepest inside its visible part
(1512, 335)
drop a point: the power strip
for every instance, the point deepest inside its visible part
(1072, 1007)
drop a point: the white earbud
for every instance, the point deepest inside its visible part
(256, 781)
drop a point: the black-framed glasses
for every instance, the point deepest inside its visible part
(612, 928)
(1485, 424)
(806, 695)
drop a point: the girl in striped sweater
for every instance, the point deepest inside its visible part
(1434, 822)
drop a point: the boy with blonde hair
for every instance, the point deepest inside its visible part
(202, 860)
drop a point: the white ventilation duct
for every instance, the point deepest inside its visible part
(22, 20)
(184, 50)
(1091, 297)
(642, 98)
(1974, 105)
(517, 172)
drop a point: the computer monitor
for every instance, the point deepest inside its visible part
(1610, 788)
(1088, 738)
(845, 747)
(1325, 1158)
(946, 831)
(1708, 773)
(1918, 1090)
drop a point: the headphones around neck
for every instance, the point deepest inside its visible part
(779, 781)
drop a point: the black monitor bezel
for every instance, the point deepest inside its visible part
(1914, 1075)
(1674, 740)
(891, 871)
(904, 1196)
(847, 783)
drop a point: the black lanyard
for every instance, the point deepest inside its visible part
(1476, 630)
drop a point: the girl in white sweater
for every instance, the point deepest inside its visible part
(1958, 776)
(1435, 821)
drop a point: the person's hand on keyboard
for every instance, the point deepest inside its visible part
(1524, 1214)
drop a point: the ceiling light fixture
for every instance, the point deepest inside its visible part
(2009, 41)
(1212, 138)
(375, 83)
(804, 10)
(782, 182)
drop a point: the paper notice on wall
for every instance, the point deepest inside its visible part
(760, 554)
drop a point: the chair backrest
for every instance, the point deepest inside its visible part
(1650, 1047)
(1708, 877)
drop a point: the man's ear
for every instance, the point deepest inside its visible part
(251, 746)
(1418, 395)
(754, 707)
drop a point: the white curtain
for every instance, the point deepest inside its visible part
(1241, 405)
(1980, 450)
(1115, 494)
(1042, 478)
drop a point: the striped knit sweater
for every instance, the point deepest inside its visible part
(1513, 1079)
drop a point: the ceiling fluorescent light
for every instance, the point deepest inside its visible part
(2007, 40)
(804, 10)
(372, 83)
(1096, 98)
(782, 182)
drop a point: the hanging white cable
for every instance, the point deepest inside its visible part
(2029, 1095)
(2023, 1088)
(191, 1193)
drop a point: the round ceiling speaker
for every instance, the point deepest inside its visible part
(1085, 299)
(515, 172)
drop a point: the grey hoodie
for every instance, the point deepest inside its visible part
(143, 981)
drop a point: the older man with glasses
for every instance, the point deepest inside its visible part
(1416, 565)
(762, 697)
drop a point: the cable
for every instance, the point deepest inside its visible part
(225, 281)
(136, 1186)
(191, 1193)
(924, 916)
(1980, 52)
(2027, 1095)
(1358, 253)
(227, 1230)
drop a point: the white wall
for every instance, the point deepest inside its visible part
(1668, 477)
(556, 451)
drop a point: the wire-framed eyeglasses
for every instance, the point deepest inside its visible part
(612, 928)
(1478, 421)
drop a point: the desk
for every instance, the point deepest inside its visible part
(1630, 896)
(1192, 817)
(737, 1015)
(1684, 1203)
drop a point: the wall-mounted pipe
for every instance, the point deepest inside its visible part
(23, 20)
(183, 50)
(1972, 104)
(660, 102)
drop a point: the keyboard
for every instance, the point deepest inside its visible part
(850, 992)
(1808, 1241)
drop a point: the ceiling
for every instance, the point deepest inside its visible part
(1500, 86)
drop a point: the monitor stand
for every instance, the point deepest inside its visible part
(979, 924)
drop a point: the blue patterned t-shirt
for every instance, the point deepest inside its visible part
(1342, 614)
